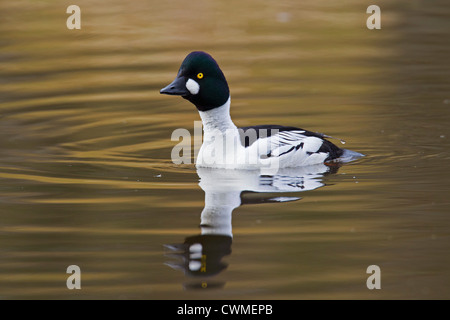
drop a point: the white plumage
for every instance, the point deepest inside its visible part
(222, 147)
(192, 86)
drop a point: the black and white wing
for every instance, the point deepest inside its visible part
(289, 143)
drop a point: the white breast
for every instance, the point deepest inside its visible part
(222, 148)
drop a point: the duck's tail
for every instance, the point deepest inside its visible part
(349, 155)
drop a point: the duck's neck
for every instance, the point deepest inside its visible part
(218, 119)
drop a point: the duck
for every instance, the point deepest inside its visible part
(201, 81)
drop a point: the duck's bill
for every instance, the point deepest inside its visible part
(176, 88)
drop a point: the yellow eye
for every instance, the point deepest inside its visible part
(200, 75)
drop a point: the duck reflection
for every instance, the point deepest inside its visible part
(201, 256)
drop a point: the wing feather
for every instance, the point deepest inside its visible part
(284, 142)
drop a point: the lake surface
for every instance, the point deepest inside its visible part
(86, 175)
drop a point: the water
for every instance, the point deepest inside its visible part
(87, 179)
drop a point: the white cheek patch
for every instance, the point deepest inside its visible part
(192, 86)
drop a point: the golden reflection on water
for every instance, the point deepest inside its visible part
(85, 169)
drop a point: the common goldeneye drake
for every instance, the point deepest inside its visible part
(202, 82)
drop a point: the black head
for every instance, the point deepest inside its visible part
(200, 81)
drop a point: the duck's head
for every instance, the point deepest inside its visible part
(200, 81)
